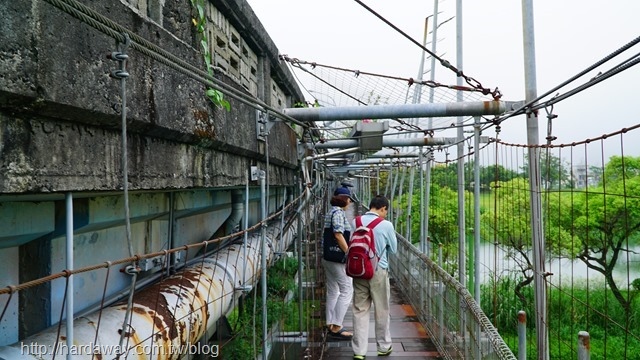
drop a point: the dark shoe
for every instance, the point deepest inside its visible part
(385, 353)
(340, 335)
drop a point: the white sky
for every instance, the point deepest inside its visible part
(570, 35)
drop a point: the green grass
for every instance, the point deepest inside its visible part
(280, 280)
(614, 334)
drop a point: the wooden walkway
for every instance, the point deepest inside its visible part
(410, 339)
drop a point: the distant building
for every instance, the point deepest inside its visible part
(584, 176)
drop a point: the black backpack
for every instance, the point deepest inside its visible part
(331, 250)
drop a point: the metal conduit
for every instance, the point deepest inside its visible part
(237, 212)
(400, 111)
(168, 316)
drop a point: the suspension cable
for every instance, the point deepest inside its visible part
(617, 52)
(471, 81)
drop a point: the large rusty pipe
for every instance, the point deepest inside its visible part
(167, 317)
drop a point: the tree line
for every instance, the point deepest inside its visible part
(598, 224)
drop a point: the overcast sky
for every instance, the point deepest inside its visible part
(569, 34)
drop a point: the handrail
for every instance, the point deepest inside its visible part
(458, 326)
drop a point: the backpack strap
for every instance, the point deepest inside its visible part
(333, 212)
(374, 222)
(370, 226)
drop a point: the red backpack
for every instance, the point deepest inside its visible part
(362, 259)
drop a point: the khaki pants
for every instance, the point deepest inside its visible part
(365, 293)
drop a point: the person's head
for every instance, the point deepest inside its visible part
(344, 191)
(380, 205)
(339, 201)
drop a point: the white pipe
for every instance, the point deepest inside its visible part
(399, 111)
(163, 319)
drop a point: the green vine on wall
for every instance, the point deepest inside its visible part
(216, 97)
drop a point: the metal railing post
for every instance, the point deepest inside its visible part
(263, 260)
(69, 256)
(522, 335)
(584, 345)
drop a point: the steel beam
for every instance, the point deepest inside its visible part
(393, 142)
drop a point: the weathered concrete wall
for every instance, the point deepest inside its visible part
(60, 110)
(60, 131)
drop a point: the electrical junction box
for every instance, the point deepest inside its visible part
(369, 134)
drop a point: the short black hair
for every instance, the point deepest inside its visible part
(379, 202)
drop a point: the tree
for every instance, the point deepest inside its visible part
(508, 222)
(553, 171)
(619, 168)
(493, 173)
(445, 175)
(607, 220)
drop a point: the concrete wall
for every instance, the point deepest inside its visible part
(60, 132)
(60, 110)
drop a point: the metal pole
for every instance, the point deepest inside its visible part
(408, 217)
(315, 114)
(522, 335)
(417, 92)
(422, 234)
(284, 200)
(393, 191)
(460, 151)
(441, 291)
(534, 182)
(584, 346)
(388, 184)
(170, 232)
(476, 223)
(245, 227)
(476, 209)
(427, 198)
(69, 256)
(434, 42)
(263, 259)
(400, 190)
(299, 254)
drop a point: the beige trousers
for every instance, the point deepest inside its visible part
(374, 292)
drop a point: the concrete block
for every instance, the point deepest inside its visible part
(278, 99)
(221, 41)
(248, 70)
(220, 62)
(235, 41)
(234, 66)
(220, 21)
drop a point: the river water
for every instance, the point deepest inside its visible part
(496, 261)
